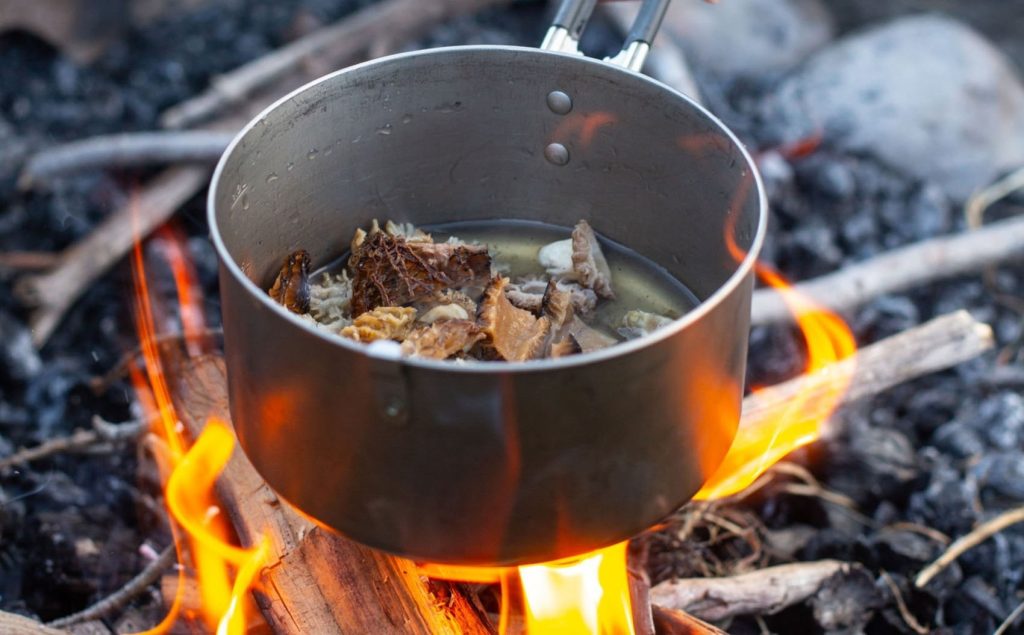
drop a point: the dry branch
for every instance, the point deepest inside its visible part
(315, 581)
(901, 269)
(938, 344)
(980, 534)
(760, 592)
(77, 441)
(125, 150)
(393, 20)
(52, 293)
(108, 605)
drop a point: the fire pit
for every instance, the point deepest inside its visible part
(128, 504)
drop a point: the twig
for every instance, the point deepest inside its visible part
(940, 343)
(52, 293)
(77, 441)
(764, 591)
(901, 604)
(1010, 620)
(11, 624)
(979, 202)
(149, 575)
(340, 42)
(980, 534)
(125, 150)
(901, 269)
(28, 260)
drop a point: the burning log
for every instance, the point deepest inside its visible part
(901, 269)
(314, 581)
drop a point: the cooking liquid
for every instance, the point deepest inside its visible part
(639, 283)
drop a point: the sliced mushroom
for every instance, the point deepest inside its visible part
(637, 323)
(588, 338)
(291, 287)
(528, 293)
(557, 307)
(382, 323)
(444, 312)
(556, 258)
(513, 333)
(588, 261)
(564, 348)
(442, 339)
(389, 271)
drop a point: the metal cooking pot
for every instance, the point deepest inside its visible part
(489, 463)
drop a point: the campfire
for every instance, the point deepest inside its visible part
(159, 467)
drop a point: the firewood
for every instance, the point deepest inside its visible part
(11, 624)
(315, 581)
(764, 591)
(136, 149)
(901, 269)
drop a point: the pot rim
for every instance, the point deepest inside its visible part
(620, 349)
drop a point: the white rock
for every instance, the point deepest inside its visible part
(925, 94)
(747, 38)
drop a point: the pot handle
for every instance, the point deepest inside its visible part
(571, 19)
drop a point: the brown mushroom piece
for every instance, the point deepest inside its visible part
(291, 287)
(557, 306)
(389, 271)
(587, 337)
(588, 261)
(442, 339)
(382, 323)
(528, 293)
(513, 333)
(637, 323)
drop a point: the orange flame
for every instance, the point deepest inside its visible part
(190, 472)
(590, 595)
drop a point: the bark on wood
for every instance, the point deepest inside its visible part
(11, 624)
(394, 20)
(316, 581)
(901, 269)
(760, 592)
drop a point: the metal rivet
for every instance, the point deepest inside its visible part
(559, 102)
(557, 154)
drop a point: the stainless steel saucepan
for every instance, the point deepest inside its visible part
(489, 463)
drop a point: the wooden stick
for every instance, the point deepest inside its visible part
(940, 343)
(125, 150)
(77, 441)
(52, 293)
(344, 40)
(315, 581)
(150, 574)
(28, 260)
(11, 624)
(980, 534)
(901, 269)
(760, 592)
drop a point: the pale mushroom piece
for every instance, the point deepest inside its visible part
(556, 258)
(588, 261)
(528, 293)
(514, 334)
(442, 339)
(444, 312)
(589, 338)
(407, 231)
(637, 323)
(382, 323)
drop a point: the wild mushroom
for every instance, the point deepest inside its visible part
(528, 293)
(382, 323)
(442, 339)
(513, 333)
(588, 261)
(291, 287)
(637, 323)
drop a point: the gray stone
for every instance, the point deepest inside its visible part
(747, 38)
(925, 95)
